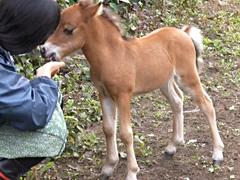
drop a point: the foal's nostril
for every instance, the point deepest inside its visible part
(52, 57)
(43, 51)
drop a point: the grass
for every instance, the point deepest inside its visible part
(220, 28)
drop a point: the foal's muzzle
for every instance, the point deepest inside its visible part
(50, 57)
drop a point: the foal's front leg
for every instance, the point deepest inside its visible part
(109, 129)
(126, 134)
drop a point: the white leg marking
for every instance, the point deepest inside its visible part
(175, 99)
(109, 128)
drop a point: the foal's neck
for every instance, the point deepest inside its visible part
(105, 30)
(103, 39)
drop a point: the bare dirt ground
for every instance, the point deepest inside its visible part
(152, 124)
(192, 160)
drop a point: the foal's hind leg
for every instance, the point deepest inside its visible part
(175, 99)
(192, 84)
(109, 128)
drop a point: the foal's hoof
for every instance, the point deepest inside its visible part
(167, 155)
(217, 162)
(103, 177)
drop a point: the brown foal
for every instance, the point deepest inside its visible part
(123, 67)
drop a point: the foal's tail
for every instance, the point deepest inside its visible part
(195, 35)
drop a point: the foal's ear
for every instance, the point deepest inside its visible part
(96, 9)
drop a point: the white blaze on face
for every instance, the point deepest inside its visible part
(51, 49)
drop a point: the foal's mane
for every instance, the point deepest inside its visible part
(112, 17)
(115, 20)
(109, 15)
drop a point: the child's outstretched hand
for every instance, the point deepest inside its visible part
(49, 69)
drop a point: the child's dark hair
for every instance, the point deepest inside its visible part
(25, 24)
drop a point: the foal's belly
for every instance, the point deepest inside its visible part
(152, 75)
(150, 83)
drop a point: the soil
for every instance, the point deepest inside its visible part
(192, 160)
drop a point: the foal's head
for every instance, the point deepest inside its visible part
(71, 32)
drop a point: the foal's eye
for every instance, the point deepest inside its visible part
(68, 31)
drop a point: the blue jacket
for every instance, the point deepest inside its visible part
(24, 104)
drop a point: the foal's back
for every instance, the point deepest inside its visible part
(157, 56)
